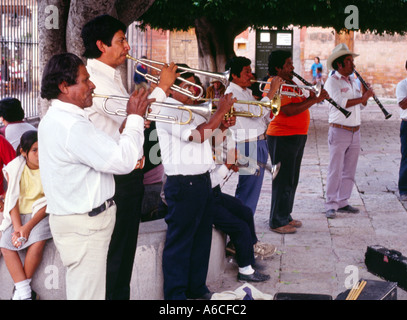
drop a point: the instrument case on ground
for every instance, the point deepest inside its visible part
(300, 296)
(388, 264)
(374, 290)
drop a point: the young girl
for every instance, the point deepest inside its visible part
(25, 224)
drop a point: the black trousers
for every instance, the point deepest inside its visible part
(128, 197)
(189, 235)
(236, 220)
(289, 151)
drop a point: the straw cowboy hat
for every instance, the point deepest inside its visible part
(339, 51)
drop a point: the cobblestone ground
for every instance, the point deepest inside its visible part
(314, 260)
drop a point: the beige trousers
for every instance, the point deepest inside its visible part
(82, 243)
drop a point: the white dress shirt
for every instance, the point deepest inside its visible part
(341, 89)
(401, 93)
(247, 128)
(179, 155)
(108, 81)
(78, 161)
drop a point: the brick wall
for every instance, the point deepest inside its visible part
(381, 62)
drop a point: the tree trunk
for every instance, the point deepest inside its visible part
(215, 44)
(73, 14)
(52, 40)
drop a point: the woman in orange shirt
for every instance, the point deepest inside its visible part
(286, 138)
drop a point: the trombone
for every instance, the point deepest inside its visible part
(222, 77)
(204, 110)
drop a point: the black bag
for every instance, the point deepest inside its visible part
(301, 296)
(388, 264)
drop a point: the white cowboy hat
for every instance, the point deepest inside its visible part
(339, 51)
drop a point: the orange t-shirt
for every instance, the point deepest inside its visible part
(283, 125)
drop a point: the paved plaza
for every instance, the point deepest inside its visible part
(316, 258)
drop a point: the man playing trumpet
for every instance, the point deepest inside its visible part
(187, 159)
(249, 132)
(286, 137)
(106, 48)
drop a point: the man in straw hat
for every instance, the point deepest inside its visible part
(344, 133)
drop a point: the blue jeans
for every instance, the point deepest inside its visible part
(249, 185)
(403, 163)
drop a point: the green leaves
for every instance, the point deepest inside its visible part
(373, 15)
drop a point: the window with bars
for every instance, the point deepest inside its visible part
(19, 77)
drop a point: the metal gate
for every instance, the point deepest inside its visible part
(19, 53)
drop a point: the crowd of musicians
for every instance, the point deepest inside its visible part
(91, 180)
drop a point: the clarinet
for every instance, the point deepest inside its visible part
(386, 114)
(345, 112)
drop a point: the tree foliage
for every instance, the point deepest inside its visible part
(218, 22)
(377, 16)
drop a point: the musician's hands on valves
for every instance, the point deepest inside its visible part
(225, 103)
(168, 75)
(275, 85)
(138, 103)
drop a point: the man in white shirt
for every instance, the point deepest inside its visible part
(344, 133)
(401, 94)
(187, 159)
(106, 48)
(77, 164)
(249, 133)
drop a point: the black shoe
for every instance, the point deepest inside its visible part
(330, 214)
(348, 209)
(254, 277)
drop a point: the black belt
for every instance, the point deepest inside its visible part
(105, 205)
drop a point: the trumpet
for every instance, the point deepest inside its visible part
(315, 88)
(222, 77)
(273, 105)
(387, 115)
(345, 112)
(204, 110)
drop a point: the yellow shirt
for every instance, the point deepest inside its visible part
(30, 189)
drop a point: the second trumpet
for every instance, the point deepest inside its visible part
(204, 110)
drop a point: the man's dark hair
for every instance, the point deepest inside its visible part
(11, 110)
(236, 65)
(61, 67)
(277, 60)
(101, 28)
(339, 61)
(184, 75)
